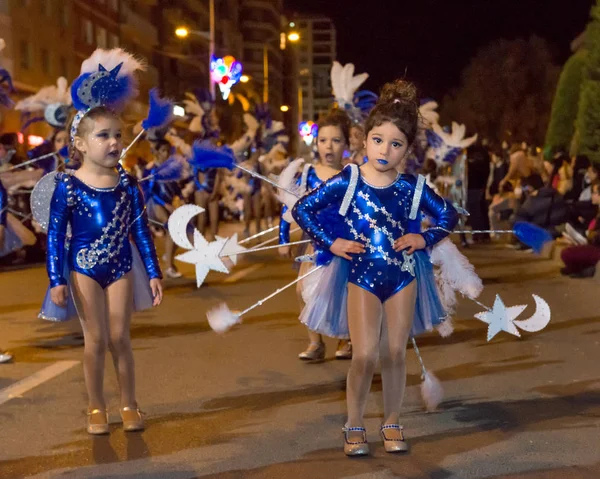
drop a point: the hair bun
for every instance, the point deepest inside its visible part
(399, 91)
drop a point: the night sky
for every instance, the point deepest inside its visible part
(433, 40)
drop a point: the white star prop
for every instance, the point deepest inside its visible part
(205, 256)
(501, 318)
(231, 247)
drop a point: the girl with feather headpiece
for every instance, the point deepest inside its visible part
(205, 124)
(379, 288)
(13, 234)
(50, 104)
(332, 140)
(98, 207)
(160, 184)
(356, 103)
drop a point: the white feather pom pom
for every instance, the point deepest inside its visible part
(222, 318)
(446, 328)
(109, 59)
(456, 274)
(432, 392)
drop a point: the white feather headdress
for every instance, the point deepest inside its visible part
(456, 137)
(46, 96)
(345, 84)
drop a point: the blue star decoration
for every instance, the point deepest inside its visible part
(500, 318)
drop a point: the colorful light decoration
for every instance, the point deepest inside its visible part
(308, 131)
(225, 72)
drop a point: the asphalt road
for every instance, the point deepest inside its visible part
(243, 406)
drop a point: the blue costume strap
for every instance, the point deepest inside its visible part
(141, 233)
(304, 177)
(60, 211)
(349, 195)
(417, 198)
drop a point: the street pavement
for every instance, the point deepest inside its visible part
(242, 405)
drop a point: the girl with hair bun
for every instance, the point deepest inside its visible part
(376, 252)
(332, 140)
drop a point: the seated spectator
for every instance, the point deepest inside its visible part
(580, 261)
(580, 182)
(544, 206)
(502, 208)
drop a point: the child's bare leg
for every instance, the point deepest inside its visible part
(201, 200)
(399, 313)
(119, 297)
(364, 321)
(91, 306)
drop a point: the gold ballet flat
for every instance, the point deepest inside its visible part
(315, 352)
(97, 422)
(132, 419)
(355, 448)
(394, 445)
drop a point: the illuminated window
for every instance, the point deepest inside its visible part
(101, 40)
(88, 31)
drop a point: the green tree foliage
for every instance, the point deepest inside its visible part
(566, 102)
(588, 117)
(506, 91)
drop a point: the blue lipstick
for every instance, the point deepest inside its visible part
(382, 162)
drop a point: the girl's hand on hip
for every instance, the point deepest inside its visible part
(342, 248)
(411, 241)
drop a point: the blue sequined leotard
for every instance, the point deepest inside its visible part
(376, 217)
(101, 221)
(308, 181)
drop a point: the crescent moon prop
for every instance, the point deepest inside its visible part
(540, 318)
(178, 222)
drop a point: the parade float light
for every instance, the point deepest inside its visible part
(178, 110)
(225, 72)
(308, 131)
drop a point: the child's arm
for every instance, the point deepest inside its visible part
(141, 233)
(57, 230)
(442, 211)
(305, 211)
(331, 193)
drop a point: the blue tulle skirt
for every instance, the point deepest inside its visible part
(326, 311)
(142, 294)
(12, 242)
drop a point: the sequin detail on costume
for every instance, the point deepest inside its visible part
(113, 237)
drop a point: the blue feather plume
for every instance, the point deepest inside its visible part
(205, 155)
(365, 100)
(5, 99)
(170, 170)
(160, 112)
(64, 151)
(531, 235)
